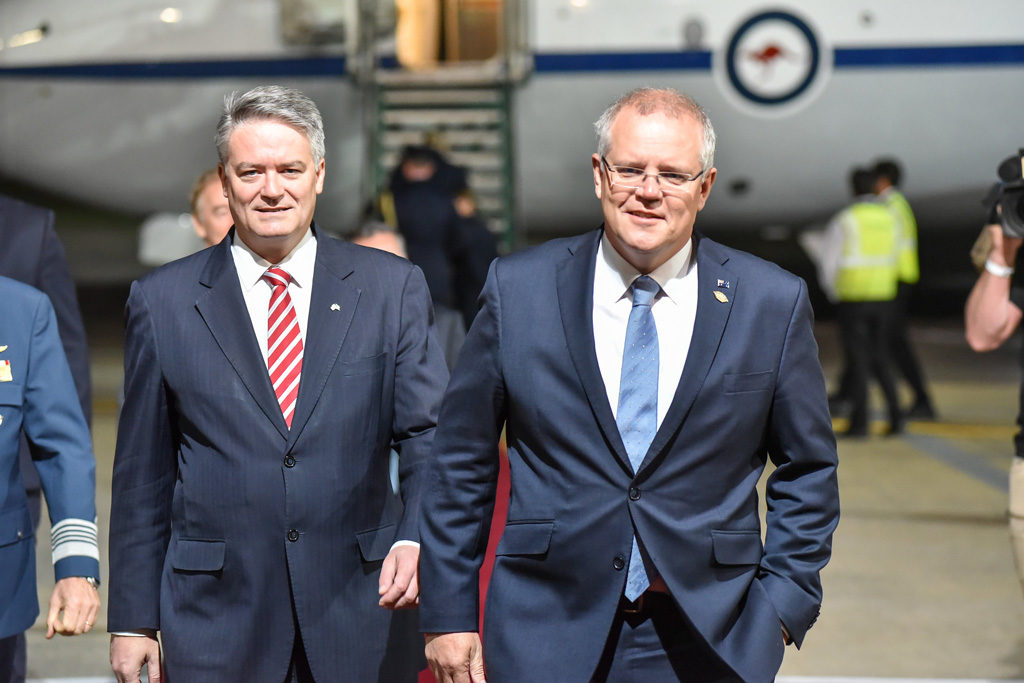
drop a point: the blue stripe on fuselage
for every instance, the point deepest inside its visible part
(231, 68)
(551, 62)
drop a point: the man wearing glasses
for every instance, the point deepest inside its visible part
(644, 375)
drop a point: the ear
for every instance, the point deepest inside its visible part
(223, 179)
(197, 226)
(595, 161)
(707, 181)
(321, 173)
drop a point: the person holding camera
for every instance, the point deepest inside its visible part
(994, 310)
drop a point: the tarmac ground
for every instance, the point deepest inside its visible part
(921, 583)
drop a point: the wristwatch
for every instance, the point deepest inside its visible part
(92, 582)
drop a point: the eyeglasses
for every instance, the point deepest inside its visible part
(632, 178)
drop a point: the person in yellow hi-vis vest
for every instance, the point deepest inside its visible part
(858, 270)
(904, 359)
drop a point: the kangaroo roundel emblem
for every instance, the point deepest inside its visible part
(773, 58)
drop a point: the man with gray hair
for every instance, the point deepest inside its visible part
(253, 524)
(643, 375)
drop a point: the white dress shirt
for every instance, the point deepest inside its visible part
(256, 291)
(674, 309)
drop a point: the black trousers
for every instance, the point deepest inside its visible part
(658, 644)
(865, 328)
(904, 358)
(12, 668)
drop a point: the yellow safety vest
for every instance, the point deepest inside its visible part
(909, 269)
(868, 267)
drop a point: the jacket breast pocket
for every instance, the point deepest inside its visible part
(197, 555)
(11, 394)
(526, 538)
(737, 383)
(736, 547)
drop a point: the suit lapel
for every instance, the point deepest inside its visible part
(331, 309)
(576, 304)
(709, 325)
(224, 311)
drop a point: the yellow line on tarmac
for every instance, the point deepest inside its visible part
(963, 430)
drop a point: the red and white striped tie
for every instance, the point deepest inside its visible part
(284, 343)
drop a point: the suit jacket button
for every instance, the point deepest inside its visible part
(619, 563)
(293, 535)
(289, 461)
(634, 493)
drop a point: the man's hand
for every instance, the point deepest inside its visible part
(1004, 248)
(129, 653)
(74, 605)
(399, 586)
(456, 657)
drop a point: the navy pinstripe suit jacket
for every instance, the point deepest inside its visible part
(210, 484)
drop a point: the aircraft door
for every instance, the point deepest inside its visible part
(433, 33)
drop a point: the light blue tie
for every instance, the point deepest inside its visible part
(637, 415)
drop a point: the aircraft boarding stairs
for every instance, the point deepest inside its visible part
(463, 113)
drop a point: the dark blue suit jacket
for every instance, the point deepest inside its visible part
(209, 483)
(31, 252)
(751, 389)
(38, 399)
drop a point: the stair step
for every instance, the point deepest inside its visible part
(476, 97)
(485, 74)
(489, 204)
(483, 161)
(482, 182)
(455, 139)
(441, 118)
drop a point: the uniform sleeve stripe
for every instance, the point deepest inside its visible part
(73, 537)
(76, 549)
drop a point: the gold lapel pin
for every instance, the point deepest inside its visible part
(335, 307)
(3, 348)
(721, 297)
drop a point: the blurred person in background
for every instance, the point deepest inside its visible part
(477, 248)
(857, 268)
(418, 202)
(211, 217)
(904, 358)
(450, 328)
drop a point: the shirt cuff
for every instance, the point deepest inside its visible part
(411, 544)
(135, 634)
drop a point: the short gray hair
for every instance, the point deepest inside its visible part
(275, 103)
(667, 101)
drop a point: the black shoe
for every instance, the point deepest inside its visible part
(921, 410)
(895, 429)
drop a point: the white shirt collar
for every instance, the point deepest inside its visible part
(299, 262)
(613, 275)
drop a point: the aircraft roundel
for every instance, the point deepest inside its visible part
(773, 58)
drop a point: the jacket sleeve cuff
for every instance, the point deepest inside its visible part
(76, 565)
(796, 611)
